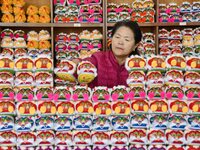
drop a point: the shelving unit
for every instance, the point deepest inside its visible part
(56, 28)
(103, 27)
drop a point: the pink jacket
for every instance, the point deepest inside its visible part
(109, 72)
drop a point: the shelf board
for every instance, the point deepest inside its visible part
(25, 25)
(163, 24)
(77, 24)
(94, 24)
(179, 24)
(140, 24)
(51, 24)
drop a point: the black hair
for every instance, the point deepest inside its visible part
(135, 29)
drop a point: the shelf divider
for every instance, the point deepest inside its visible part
(25, 24)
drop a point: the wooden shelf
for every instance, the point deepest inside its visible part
(94, 24)
(163, 24)
(51, 24)
(140, 24)
(77, 24)
(25, 24)
(179, 24)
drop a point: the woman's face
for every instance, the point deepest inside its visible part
(123, 42)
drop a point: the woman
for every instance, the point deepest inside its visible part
(111, 64)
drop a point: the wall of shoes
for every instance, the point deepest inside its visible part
(44, 106)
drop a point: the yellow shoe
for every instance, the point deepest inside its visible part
(66, 76)
(86, 78)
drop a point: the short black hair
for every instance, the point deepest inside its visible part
(135, 29)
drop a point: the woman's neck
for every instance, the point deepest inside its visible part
(120, 60)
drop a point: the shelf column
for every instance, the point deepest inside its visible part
(105, 25)
(52, 10)
(157, 40)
